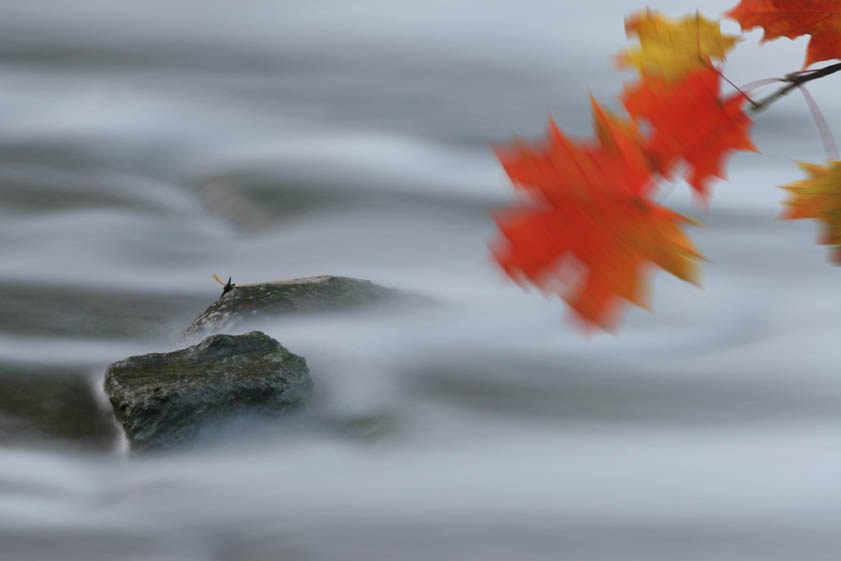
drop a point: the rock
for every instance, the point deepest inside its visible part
(165, 399)
(308, 294)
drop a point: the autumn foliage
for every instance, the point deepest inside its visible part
(587, 227)
(819, 197)
(590, 212)
(821, 19)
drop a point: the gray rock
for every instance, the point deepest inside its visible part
(308, 294)
(165, 399)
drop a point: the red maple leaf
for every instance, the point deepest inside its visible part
(563, 169)
(588, 233)
(595, 258)
(690, 123)
(792, 18)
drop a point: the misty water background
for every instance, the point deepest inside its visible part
(145, 146)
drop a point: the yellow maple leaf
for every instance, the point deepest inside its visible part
(819, 196)
(671, 49)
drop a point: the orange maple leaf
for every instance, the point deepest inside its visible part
(819, 197)
(589, 233)
(792, 18)
(690, 122)
(595, 258)
(563, 170)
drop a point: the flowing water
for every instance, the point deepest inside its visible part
(145, 146)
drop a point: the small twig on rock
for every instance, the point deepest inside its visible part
(226, 286)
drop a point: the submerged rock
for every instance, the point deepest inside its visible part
(308, 294)
(164, 399)
(53, 402)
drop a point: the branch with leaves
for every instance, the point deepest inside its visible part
(588, 228)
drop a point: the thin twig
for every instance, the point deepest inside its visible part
(737, 88)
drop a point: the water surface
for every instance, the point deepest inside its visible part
(144, 147)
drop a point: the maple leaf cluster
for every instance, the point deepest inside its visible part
(818, 196)
(588, 228)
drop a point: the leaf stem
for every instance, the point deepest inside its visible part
(829, 144)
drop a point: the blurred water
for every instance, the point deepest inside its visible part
(145, 146)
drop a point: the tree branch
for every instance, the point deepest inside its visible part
(793, 81)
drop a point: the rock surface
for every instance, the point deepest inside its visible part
(308, 294)
(163, 400)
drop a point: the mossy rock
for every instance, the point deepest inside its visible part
(165, 399)
(308, 294)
